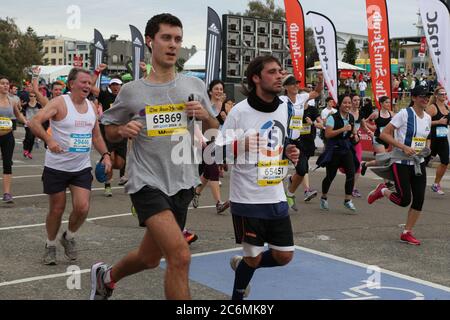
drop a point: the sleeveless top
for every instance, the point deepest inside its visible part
(6, 116)
(74, 135)
(440, 130)
(381, 123)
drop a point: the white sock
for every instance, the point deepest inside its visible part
(383, 190)
(290, 194)
(69, 235)
(406, 231)
(107, 277)
(51, 243)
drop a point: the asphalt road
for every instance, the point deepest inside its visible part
(371, 236)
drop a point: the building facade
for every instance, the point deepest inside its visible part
(54, 49)
(78, 54)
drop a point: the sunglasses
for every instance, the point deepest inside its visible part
(424, 96)
(442, 94)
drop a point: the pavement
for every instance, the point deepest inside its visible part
(338, 255)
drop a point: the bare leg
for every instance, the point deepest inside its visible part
(440, 171)
(80, 204)
(57, 207)
(215, 190)
(296, 181)
(7, 178)
(413, 216)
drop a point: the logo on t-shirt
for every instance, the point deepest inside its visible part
(274, 131)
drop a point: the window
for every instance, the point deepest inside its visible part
(53, 62)
(70, 57)
(60, 49)
(415, 53)
(86, 56)
(45, 61)
(114, 59)
(402, 53)
(82, 47)
(53, 49)
(60, 62)
(46, 50)
(121, 58)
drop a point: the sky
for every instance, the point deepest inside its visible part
(55, 17)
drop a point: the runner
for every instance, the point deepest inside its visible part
(160, 185)
(408, 133)
(73, 121)
(258, 202)
(439, 112)
(9, 109)
(382, 118)
(30, 110)
(341, 135)
(302, 132)
(210, 171)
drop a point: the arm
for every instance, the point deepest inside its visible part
(45, 114)
(97, 73)
(100, 146)
(388, 136)
(330, 133)
(34, 82)
(19, 114)
(318, 89)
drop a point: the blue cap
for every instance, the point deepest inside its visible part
(100, 174)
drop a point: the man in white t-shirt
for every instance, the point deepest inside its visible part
(362, 85)
(258, 202)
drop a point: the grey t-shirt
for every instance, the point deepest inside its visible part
(150, 160)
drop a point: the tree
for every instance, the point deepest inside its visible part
(18, 50)
(260, 10)
(350, 52)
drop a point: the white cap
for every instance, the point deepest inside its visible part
(116, 81)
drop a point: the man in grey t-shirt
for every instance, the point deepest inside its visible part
(157, 114)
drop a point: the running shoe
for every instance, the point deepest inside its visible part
(108, 192)
(291, 202)
(189, 236)
(99, 289)
(195, 200)
(363, 168)
(49, 257)
(133, 211)
(376, 194)
(408, 238)
(70, 248)
(221, 207)
(350, 206)
(8, 198)
(324, 204)
(437, 188)
(25, 154)
(310, 194)
(123, 180)
(356, 193)
(29, 156)
(234, 262)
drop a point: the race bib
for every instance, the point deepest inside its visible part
(5, 124)
(166, 120)
(306, 129)
(80, 143)
(418, 144)
(441, 132)
(271, 173)
(381, 129)
(296, 123)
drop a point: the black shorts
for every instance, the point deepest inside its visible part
(257, 232)
(439, 146)
(150, 201)
(211, 172)
(56, 181)
(119, 148)
(302, 167)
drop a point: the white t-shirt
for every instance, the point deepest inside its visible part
(362, 86)
(249, 181)
(297, 115)
(326, 112)
(411, 130)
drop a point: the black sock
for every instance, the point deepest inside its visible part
(267, 260)
(107, 185)
(346, 200)
(244, 274)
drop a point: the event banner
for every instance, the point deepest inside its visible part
(213, 41)
(436, 24)
(325, 38)
(296, 31)
(379, 51)
(99, 47)
(137, 51)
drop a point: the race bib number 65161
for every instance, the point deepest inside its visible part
(166, 120)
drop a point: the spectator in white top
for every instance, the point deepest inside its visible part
(362, 85)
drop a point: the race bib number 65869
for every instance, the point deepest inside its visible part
(166, 120)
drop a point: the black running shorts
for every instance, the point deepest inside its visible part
(56, 181)
(150, 201)
(256, 231)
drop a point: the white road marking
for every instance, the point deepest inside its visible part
(24, 177)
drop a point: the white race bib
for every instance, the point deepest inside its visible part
(296, 123)
(166, 120)
(306, 129)
(441, 132)
(271, 173)
(418, 144)
(5, 124)
(80, 143)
